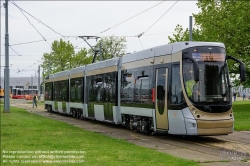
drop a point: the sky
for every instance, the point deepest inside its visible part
(92, 18)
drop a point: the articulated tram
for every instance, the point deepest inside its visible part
(20, 93)
(180, 88)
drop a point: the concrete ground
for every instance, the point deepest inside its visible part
(187, 148)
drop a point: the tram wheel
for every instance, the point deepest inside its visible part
(151, 132)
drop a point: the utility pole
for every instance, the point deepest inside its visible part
(32, 84)
(190, 28)
(39, 91)
(6, 69)
(43, 83)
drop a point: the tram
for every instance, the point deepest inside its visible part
(1, 92)
(29, 93)
(180, 88)
(17, 93)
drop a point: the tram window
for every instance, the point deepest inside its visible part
(109, 87)
(142, 87)
(61, 90)
(91, 90)
(99, 88)
(127, 90)
(72, 90)
(114, 87)
(135, 90)
(64, 93)
(76, 89)
(48, 91)
(58, 92)
(176, 90)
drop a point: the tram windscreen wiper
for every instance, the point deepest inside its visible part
(226, 92)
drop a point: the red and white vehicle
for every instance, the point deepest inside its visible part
(17, 93)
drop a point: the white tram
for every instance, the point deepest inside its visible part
(180, 88)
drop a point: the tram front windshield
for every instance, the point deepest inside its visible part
(213, 86)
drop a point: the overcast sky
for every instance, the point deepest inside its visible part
(77, 18)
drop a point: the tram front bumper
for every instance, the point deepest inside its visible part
(215, 127)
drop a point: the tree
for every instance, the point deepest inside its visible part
(62, 53)
(227, 22)
(82, 58)
(63, 57)
(183, 35)
(112, 46)
(47, 60)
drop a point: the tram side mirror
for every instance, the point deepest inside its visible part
(242, 73)
(196, 71)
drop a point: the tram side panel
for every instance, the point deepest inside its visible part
(101, 97)
(76, 97)
(61, 97)
(136, 95)
(101, 90)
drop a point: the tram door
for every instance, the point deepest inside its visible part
(161, 99)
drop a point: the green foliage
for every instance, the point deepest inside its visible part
(81, 58)
(63, 57)
(183, 35)
(59, 58)
(227, 22)
(112, 46)
(62, 53)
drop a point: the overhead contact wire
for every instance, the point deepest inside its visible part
(14, 50)
(31, 23)
(157, 20)
(36, 18)
(131, 17)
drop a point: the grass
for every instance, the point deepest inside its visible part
(241, 110)
(25, 131)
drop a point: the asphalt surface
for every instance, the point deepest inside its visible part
(228, 150)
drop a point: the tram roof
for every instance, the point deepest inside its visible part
(77, 70)
(62, 73)
(187, 44)
(166, 49)
(103, 64)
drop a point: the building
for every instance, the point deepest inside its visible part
(23, 82)
(239, 90)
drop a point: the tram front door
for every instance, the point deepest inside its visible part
(161, 111)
